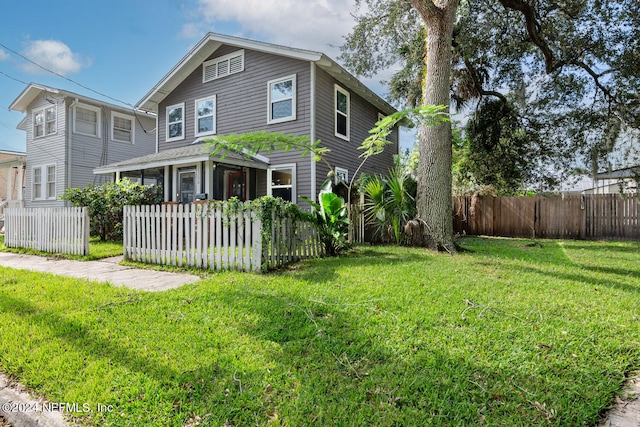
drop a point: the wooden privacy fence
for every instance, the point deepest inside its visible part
(56, 230)
(608, 216)
(216, 237)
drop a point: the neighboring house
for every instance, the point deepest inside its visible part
(12, 165)
(230, 85)
(68, 135)
(617, 181)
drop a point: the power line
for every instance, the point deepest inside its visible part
(13, 78)
(64, 77)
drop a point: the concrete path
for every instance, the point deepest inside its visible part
(106, 270)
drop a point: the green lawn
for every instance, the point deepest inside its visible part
(506, 335)
(97, 250)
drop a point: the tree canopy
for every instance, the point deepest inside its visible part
(567, 69)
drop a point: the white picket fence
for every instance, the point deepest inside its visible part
(55, 230)
(209, 237)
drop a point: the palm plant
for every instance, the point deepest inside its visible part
(390, 203)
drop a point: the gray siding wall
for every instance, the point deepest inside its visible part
(242, 106)
(86, 152)
(89, 152)
(46, 150)
(363, 116)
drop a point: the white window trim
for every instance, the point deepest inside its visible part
(270, 188)
(126, 117)
(98, 111)
(340, 89)
(166, 119)
(44, 187)
(43, 110)
(220, 59)
(346, 174)
(292, 117)
(214, 115)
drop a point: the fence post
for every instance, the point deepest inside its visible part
(256, 244)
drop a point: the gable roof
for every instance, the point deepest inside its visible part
(212, 41)
(34, 90)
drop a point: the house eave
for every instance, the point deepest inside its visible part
(203, 50)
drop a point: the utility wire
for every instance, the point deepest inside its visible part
(64, 77)
(72, 81)
(13, 78)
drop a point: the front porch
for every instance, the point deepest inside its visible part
(190, 173)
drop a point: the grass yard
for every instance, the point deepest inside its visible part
(506, 335)
(97, 250)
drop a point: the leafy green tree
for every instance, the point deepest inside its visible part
(573, 67)
(106, 203)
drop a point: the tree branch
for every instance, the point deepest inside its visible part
(477, 84)
(533, 26)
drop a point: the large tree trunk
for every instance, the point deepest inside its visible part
(434, 166)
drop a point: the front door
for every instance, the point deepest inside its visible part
(237, 185)
(186, 185)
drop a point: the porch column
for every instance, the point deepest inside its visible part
(117, 176)
(208, 168)
(165, 184)
(9, 180)
(19, 181)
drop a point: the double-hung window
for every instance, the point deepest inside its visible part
(122, 127)
(43, 185)
(206, 116)
(44, 122)
(281, 182)
(175, 122)
(342, 112)
(87, 120)
(282, 99)
(342, 175)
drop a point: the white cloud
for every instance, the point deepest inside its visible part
(311, 24)
(3, 55)
(53, 55)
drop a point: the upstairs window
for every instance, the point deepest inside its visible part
(175, 122)
(122, 128)
(206, 116)
(87, 120)
(44, 122)
(342, 112)
(282, 99)
(223, 66)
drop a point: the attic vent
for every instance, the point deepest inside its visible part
(223, 66)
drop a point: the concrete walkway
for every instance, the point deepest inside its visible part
(106, 270)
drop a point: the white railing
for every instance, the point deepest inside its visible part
(214, 236)
(55, 230)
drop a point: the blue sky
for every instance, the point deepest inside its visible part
(121, 48)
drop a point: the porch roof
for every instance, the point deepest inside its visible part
(197, 152)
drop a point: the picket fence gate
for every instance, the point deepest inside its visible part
(215, 237)
(57, 230)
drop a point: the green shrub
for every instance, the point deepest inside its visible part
(106, 202)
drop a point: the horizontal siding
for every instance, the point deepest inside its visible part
(242, 106)
(47, 150)
(89, 152)
(363, 116)
(241, 99)
(85, 152)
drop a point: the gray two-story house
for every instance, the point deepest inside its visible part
(68, 135)
(228, 85)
